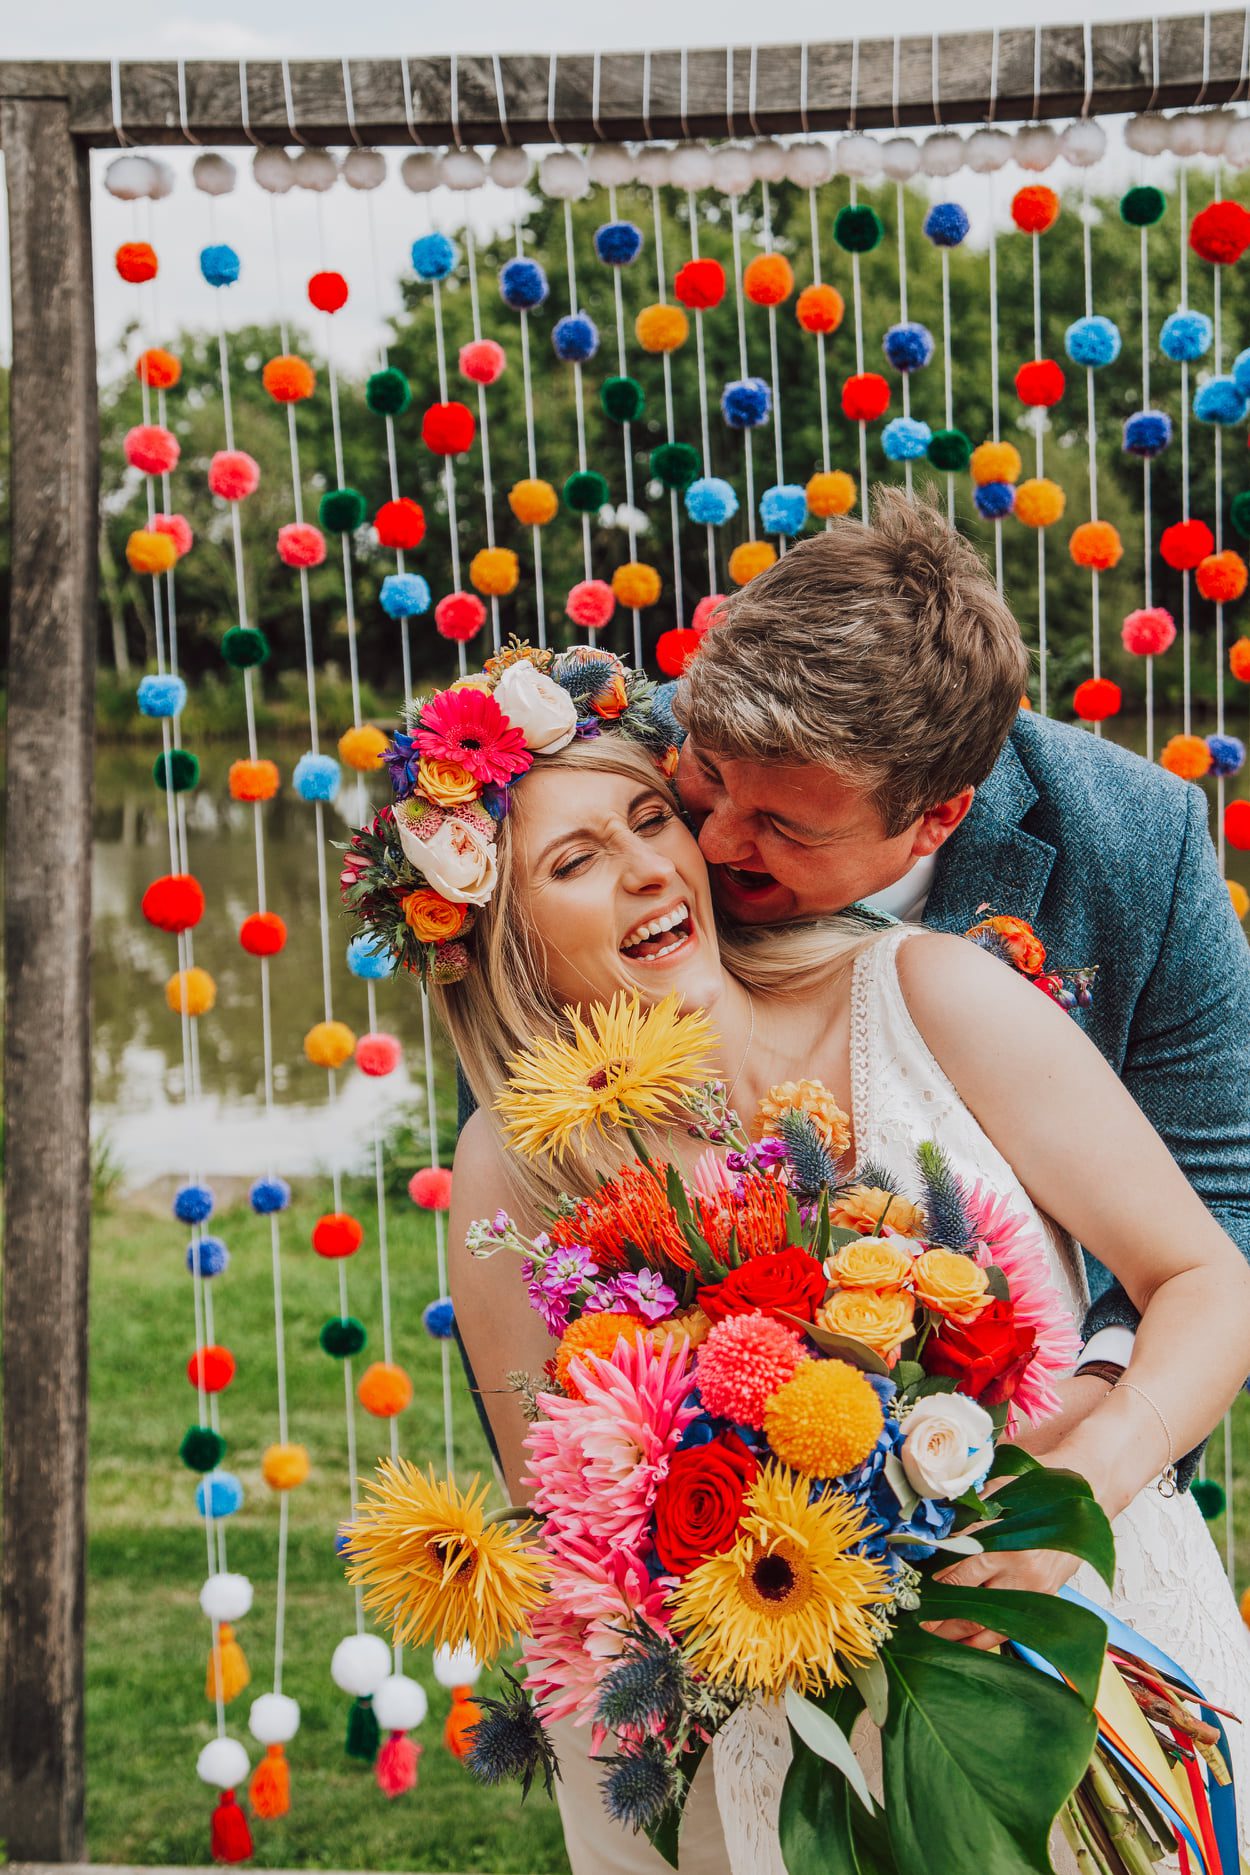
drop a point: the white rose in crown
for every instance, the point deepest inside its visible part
(456, 859)
(948, 1444)
(545, 714)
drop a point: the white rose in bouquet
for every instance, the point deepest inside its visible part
(948, 1444)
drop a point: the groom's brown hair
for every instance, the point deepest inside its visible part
(884, 653)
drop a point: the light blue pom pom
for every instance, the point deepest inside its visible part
(316, 777)
(746, 403)
(783, 508)
(433, 256)
(946, 224)
(269, 1195)
(366, 960)
(192, 1204)
(575, 338)
(523, 285)
(162, 696)
(219, 265)
(909, 346)
(1185, 336)
(618, 243)
(208, 1257)
(439, 1318)
(1241, 372)
(222, 1491)
(905, 439)
(404, 595)
(709, 501)
(1219, 401)
(994, 499)
(1094, 341)
(1228, 754)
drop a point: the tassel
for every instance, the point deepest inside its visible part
(464, 1715)
(230, 1838)
(227, 1666)
(363, 1737)
(396, 1768)
(270, 1788)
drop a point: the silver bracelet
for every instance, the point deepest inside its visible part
(1167, 1477)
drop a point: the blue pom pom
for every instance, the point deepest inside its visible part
(369, 962)
(1241, 372)
(404, 595)
(994, 499)
(746, 403)
(1147, 432)
(433, 256)
(908, 347)
(209, 1257)
(269, 1195)
(316, 777)
(1228, 754)
(1093, 341)
(439, 1318)
(946, 224)
(618, 243)
(783, 508)
(1219, 401)
(162, 696)
(905, 439)
(222, 1491)
(709, 501)
(575, 338)
(523, 285)
(219, 265)
(1185, 335)
(342, 1537)
(192, 1204)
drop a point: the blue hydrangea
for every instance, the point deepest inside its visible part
(404, 595)
(709, 501)
(746, 403)
(219, 264)
(908, 347)
(369, 960)
(1185, 336)
(947, 224)
(1147, 432)
(1228, 754)
(208, 1257)
(994, 499)
(905, 439)
(316, 777)
(783, 508)
(1219, 401)
(618, 243)
(439, 1318)
(162, 696)
(222, 1492)
(192, 1204)
(269, 1195)
(575, 338)
(523, 285)
(1241, 372)
(1093, 341)
(433, 256)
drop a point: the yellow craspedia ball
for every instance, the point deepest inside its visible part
(636, 585)
(495, 571)
(329, 1044)
(148, 552)
(995, 462)
(824, 1420)
(661, 328)
(830, 492)
(363, 748)
(533, 501)
(1039, 502)
(191, 992)
(284, 1466)
(752, 557)
(1239, 895)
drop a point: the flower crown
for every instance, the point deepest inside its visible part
(417, 874)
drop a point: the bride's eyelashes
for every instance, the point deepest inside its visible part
(650, 823)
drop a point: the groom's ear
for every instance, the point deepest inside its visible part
(937, 824)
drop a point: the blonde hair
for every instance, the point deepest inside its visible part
(504, 1002)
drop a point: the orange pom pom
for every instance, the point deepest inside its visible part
(284, 1466)
(1239, 660)
(533, 502)
(384, 1390)
(1241, 905)
(495, 571)
(136, 262)
(1186, 756)
(288, 379)
(1095, 544)
(752, 557)
(158, 369)
(1221, 577)
(636, 585)
(253, 781)
(150, 552)
(363, 748)
(830, 492)
(329, 1044)
(820, 309)
(1039, 502)
(995, 462)
(661, 328)
(191, 992)
(768, 280)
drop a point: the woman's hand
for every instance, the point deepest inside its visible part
(1041, 1571)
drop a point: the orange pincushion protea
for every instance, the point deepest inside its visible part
(759, 1216)
(629, 1208)
(1018, 939)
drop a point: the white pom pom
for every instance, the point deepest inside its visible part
(562, 175)
(130, 178)
(364, 169)
(1147, 133)
(163, 182)
(1215, 128)
(274, 1719)
(400, 1703)
(900, 158)
(213, 174)
(226, 1597)
(463, 169)
(809, 164)
(316, 170)
(1037, 146)
(273, 169)
(360, 1664)
(456, 1666)
(690, 167)
(1083, 143)
(732, 173)
(510, 166)
(768, 160)
(1237, 146)
(858, 156)
(942, 154)
(1185, 133)
(653, 165)
(987, 150)
(421, 171)
(610, 165)
(222, 1763)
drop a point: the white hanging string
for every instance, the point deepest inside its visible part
(1092, 437)
(857, 298)
(449, 473)
(1186, 647)
(822, 379)
(1147, 523)
(743, 367)
(392, 463)
(772, 340)
(947, 375)
(693, 212)
(679, 611)
(530, 440)
(622, 365)
(579, 395)
(1039, 432)
(900, 203)
(483, 421)
(995, 402)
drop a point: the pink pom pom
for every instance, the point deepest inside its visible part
(178, 528)
(591, 603)
(395, 1767)
(743, 1362)
(460, 615)
(152, 449)
(1148, 632)
(233, 474)
(431, 1188)
(301, 544)
(482, 361)
(377, 1053)
(706, 612)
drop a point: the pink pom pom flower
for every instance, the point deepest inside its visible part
(431, 1188)
(233, 474)
(1148, 632)
(743, 1362)
(152, 449)
(460, 616)
(178, 528)
(482, 361)
(301, 544)
(377, 1053)
(706, 612)
(591, 604)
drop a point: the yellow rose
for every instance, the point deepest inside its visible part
(883, 1322)
(951, 1284)
(446, 783)
(812, 1098)
(690, 1323)
(870, 1263)
(869, 1209)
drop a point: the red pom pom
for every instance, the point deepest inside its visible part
(1096, 699)
(674, 650)
(448, 429)
(1185, 543)
(1220, 232)
(591, 604)
(301, 544)
(233, 474)
(865, 397)
(152, 449)
(700, 284)
(178, 528)
(1237, 825)
(1221, 577)
(174, 903)
(1035, 208)
(482, 361)
(377, 1053)
(136, 262)
(400, 523)
(337, 1235)
(263, 934)
(1040, 382)
(1148, 632)
(460, 615)
(708, 613)
(212, 1368)
(327, 291)
(431, 1188)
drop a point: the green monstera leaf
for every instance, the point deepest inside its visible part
(1050, 1510)
(825, 1829)
(1071, 1638)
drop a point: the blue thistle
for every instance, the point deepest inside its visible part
(639, 1787)
(877, 1177)
(992, 941)
(510, 1741)
(947, 1220)
(647, 1688)
(585, 675)
(814, 1167)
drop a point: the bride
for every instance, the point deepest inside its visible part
(918, 1036)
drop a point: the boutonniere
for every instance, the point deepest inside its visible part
(1015, 942)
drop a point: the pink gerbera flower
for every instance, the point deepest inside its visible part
(580, 1631)
(469, 728)
(1017, 1245)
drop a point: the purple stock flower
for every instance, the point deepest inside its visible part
(554, 1282)
(643, 1293)
(761, 1153)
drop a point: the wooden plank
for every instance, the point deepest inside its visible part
(47, 927)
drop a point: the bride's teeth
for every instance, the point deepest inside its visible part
(656, 927)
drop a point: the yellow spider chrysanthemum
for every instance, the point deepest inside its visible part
(788, 1605)
(432, 1568)
(628, 1066)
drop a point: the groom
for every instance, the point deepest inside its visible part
(853, 733)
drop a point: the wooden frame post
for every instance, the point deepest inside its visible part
(47, 930)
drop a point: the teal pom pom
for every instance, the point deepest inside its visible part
(193, 1204)
(342, 510)
(368, 959)
(316, 777)
(674, 465)
(342, 1336)
(858, 229)
(1093, 341)
(905, 439)
(623, 399)
(388, 392)
(161, 696)
(404, 595)
(585, 491)
(1143, 206)
(224, 1495)
(244, 646)
(783, 508)
(433, 256)
(1185, 336)
(711, 501)
(1209, 1497)
(179, 771)
(950, 450)
(219, 265)
(202, 1449)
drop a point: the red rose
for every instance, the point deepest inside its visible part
(699, 1504)
(782, 1279)
(987, 1357)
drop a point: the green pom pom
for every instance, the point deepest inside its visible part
(342, 510)
(623, 399)
(1143, 206)
(179, 770)
(675, 465)
(1209, 1497)
(388, 393)
(858, 229)
(585, 491)
(363, 1736)
(950, 450)
(1241, 513)
(343, 1336)
(244, 646)
(202, 1449)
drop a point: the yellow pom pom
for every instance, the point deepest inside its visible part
(661, 328)
(824, 1420)
(150, 553)
(363, 748)
(534, 502)
(329, 1044)
(1039, 502)
(752, 557)
(636, 585)
(1186, 756)
(191, 992)
(284, 1466)
(1239, 895)
(495, 571)
(830, 492)
(995, 462)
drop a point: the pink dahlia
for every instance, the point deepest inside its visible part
(743, 1362)
(1017, 1244)
(579, 1633)
(469, 728)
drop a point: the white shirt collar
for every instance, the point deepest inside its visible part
(908, 896)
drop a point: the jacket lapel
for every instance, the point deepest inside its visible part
(991, 860)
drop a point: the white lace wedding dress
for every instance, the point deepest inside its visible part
(1169, 1582)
